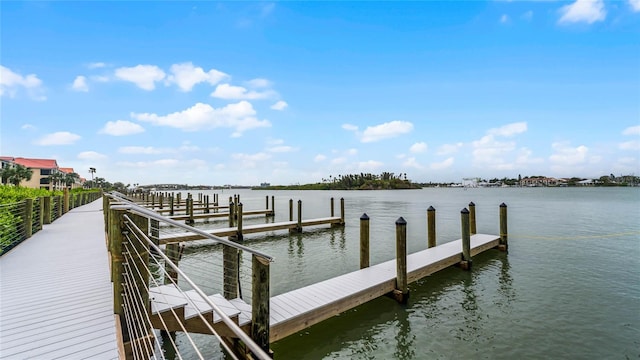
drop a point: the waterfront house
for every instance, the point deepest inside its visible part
(42, 170)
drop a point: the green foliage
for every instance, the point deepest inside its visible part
(12, 194)
(362, 181)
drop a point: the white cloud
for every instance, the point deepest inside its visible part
(412, 162)
(99, 78)
(58, 138)
(231, 92)
(121, 128)
(349, 127)
(352, 152)
(443, 164)
(339, 160)
(91, 155)
(146, 150)
(568, 156)
(319, 158)
(144, 76)
(239, 116)
(509, 129)
(186, 76)
(632, 130)
(588, 11)
(28, 127)
(281, 149)
(635, 5)
(504, 18)
(80, 84)
(370, 165)
(96, 65)
(385, 131)
(166, 163)
(418, 147)
(249, 161)
(630, 145)
(489, 152)
(280, 105)
(259, 83)
(11, 82)
(447, 149)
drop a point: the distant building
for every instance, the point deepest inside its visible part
(265, 184)
(42, 170)
(541, 181)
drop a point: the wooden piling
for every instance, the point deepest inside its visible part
(239, 233)
(472, 218)
(401, 293)
(206, 204)
(231, 213)
(299, 228)
(504, 245)
(273, 206)
(341, 211)
(260, 302)
(290, 209)
(28, 217)
(171, 206)
(431, 227)
(161, 200)
(364, 241)
(465, 263)
(46, 216)
(173, 253)
(332, 206)
(115, 246)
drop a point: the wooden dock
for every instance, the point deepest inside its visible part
(56, 293)
(301, 308)
(168, 238)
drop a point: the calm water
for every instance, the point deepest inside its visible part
(568, 288)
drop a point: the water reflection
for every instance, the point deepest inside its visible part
(405, 338)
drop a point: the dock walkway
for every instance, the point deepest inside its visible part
(56, 297)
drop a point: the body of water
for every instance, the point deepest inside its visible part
(569, 287)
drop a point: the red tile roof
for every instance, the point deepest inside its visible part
(34, 163)
(67, 170)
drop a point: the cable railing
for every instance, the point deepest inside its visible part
(159, 294)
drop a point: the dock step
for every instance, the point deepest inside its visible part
(165, 298)
(244, 317)
(197, 305)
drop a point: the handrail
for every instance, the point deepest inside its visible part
(248, 341)
(135, 208)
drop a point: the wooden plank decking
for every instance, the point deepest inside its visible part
(301, 308)
(56, 298)
(248, 229)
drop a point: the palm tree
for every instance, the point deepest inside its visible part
(17, 174)
(92, 170)
(70, 178)
(56, 178)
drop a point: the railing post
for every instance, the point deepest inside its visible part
(41, 213)
(60, 205)
(472, 218)
(260, 302)
(299, 227)
(230, 270)
(65, 193)
(116, 227)
(401, 293)
(28, 218)
(46, 216)
(431, 227)
(364, 241)
(172, 251)
(504, 245)
(466, 240)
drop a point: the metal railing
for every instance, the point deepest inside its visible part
(157, 288)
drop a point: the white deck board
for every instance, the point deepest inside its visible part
(56, 299)
(303, 302)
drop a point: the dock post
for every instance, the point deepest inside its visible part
(161, 200)
(260, 302)
(171, 207)
(504, 245)
(28, 218)
(431, 227)
(364, 241)
(266, 200)
(332, 210)
(465, 264)
(299, 228)
(172, 250)
(65, 194)
(273, 206)
(190, 221)
(290, 209)
(47, 210)
(239, 231)
(179, 199)
(206, 204)
(401, 293)
(341, 211)
(153, 201)
(472, 218)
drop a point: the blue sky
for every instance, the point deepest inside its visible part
(293, 92)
